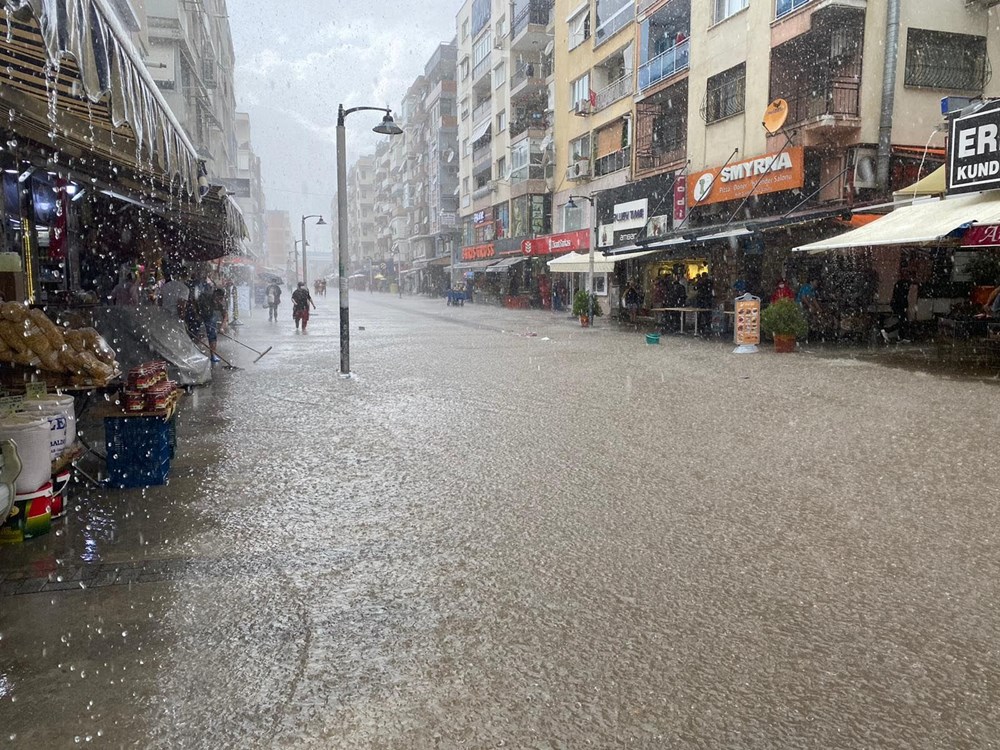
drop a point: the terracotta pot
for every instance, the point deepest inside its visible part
(980, 294)
(783, 343)
(584, 321)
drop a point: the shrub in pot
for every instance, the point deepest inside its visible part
(784, 321)
(583, 304)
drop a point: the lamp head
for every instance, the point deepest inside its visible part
(571, 203)
(320, 223)
(388, 126)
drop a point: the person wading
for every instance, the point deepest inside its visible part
(273, 300)
(301, 300)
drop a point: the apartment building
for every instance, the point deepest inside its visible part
(659, 107)
(506, 77)
(360, 212)
(246, 187)
(279, 243)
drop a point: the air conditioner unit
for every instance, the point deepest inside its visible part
(582, 107)
(864, 168)
(578, 170)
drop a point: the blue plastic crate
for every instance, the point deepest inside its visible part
(139, 450)
(127, 475)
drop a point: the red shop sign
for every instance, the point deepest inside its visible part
(557, 243)
(986, 235)
(479, 252)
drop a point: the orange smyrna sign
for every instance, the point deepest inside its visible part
(763, 174)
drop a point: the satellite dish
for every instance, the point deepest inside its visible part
(775, 116)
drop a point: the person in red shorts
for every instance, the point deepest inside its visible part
(301, 299)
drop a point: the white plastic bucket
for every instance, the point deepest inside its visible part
(30, 434)
(52, 405)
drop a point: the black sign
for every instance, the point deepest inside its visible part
(974, 152)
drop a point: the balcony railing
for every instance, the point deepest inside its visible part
(670, 151)
(613, 92)
(537, 120)
(812, 100)
(482, 155)
(481, 112)
(532, 70)
(784, 7)
(613, 162)
(535, 12)
(665, 64)
(482, 68)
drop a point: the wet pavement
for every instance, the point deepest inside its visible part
(508, 531)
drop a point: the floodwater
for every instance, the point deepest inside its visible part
(508, 531)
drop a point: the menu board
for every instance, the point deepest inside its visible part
(746, 331)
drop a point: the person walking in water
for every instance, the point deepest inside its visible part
(273, 300)
(301, 300)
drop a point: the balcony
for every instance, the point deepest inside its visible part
(814, 101)
(534, 125)
(615, 91)
(784, 7)
(665, 64)
(528, 29)
(483, 111)
(613, 162)
(618, 21)
(481, 69)
(482, 156)
(530, 75)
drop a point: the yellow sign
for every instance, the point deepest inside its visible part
(746, 331)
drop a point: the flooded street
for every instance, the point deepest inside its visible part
(508, 531)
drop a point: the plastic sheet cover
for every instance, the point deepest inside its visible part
(146, 333)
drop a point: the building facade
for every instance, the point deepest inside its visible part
(280, 249)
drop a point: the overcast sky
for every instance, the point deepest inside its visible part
(295, 62)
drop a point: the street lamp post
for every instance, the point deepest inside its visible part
(305, 269)
(593, 241)
(386, 127)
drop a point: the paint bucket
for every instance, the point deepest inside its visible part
(30, 517)
(60, 493)
(52, 404)
(30, 434)
(652, 338)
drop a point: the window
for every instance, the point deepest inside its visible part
(502, 121)
(579, 90)
(726, 94)
(579, 28)
(465, 29)
(939, 60)
(465, 185)
(611, 17)
(481, 50)
(498, 30)
(499, 75)
(447, 106)
(579, 150)
(465, 68)
(502, 168)
(481, 10)
(726, 8)
(465, 147)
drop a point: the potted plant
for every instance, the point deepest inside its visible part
(785, 322)
(586, 306)
(984, 271)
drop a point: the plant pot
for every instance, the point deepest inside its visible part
(980, 294)
(584, 321)
(784, 343)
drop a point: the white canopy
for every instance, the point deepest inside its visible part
(580, 262)
(918, 224)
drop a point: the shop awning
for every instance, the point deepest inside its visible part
(480, 130)
(932, 184)
(105, 97)
(504, 264)
(473, 265)
(921, 224)
(580, 262)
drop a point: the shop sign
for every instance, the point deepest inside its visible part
(479, 252)
(987, 235)
(680, 200)
(557, 243)
(627, 237)
(479, 217)
(746, 331)
(658, 225)
(765, 174)
(974, 152)
(631, 215)
(606, 235)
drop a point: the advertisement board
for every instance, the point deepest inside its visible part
(770, 173)
(746, 327)
(974, 152)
